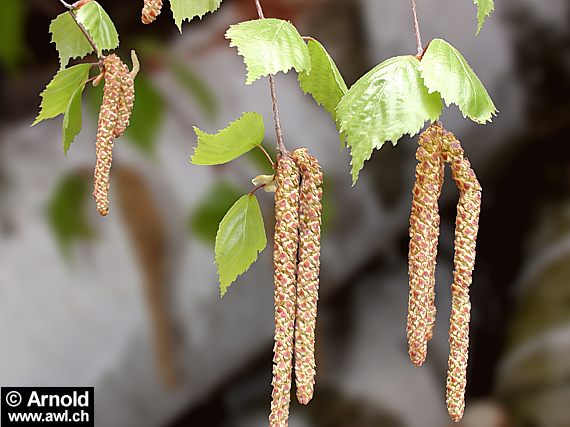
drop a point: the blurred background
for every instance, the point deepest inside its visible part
(130, 303)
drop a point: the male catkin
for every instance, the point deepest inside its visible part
(151, 10)
(308, 269)
(424, 233)
(466, 228)
(286, 242)
(114, 115)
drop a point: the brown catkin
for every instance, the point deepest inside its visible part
(151, 10)
(424, 233)
(285, 265)
(108, 118)
(466, 228)
(307, 273)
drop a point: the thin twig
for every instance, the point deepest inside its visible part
(257, 187)
(417, 29)
(278, 131)
(66, 5)
(264, 151)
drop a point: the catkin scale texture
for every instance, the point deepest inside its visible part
(424, 233)
(308, 269)
(286, 242)
(108, 118)
(466, 229)
(151, 10)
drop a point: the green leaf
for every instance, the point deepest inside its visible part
(324, 82)
(269, 46)
(99, 26)
(205, 220)
(238, 138)
(59, 93)
(69, 41)
(66, 211)
(388, 102)
(186, 10)
(484, 9)
(73, 119)
(240, 238)
(446, 71)
(12, 33)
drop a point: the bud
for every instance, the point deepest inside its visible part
(151, 10)
(424, 233)
(466, 228)
(308, 269)
(286, 242)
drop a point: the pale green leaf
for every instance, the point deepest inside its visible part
(58, 94)
(99, 26)
(69, 41)
(446, 71)
(484, 9)
(186, 10)
(324, 82)
(269, 46)
(388, 102)
(228, 144)
(73, 119)
(241, 237)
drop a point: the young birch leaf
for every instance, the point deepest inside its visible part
(238, 138)
(73, 119)
(241, 237)
(269, 46)
(388, 102)
(99, 26)
(446, 71)
(58, 94)
(484, 9)
(186, 10)
(324, 82)
(69, 41)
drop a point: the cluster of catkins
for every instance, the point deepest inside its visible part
(114, 115)
(151, 10)
(437, 147)
(296, 259)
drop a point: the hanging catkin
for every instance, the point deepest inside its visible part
(151, 10)
(307, 273)
(285, 266)
(466, 228)
(424, 233)
(114, 115)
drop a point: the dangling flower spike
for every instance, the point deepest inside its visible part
(151, 10)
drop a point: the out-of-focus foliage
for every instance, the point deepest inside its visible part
(195, 87)
(241, 237)
(388, 102)
(205, 220)
(12, 43)
(446, 71)
(269, 46)
(66, 211)
(238, 138)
